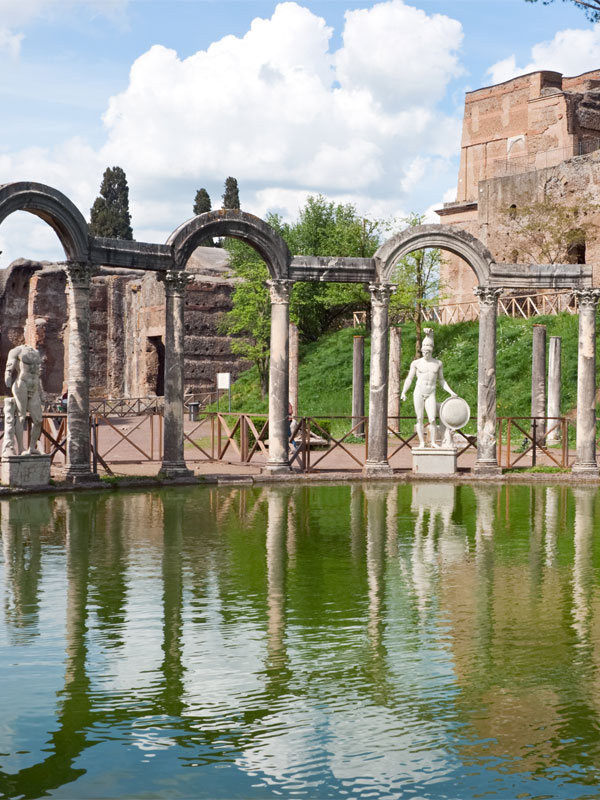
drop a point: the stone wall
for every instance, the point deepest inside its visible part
(523, 139)
(127, 326)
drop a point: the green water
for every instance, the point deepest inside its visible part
(424, 641)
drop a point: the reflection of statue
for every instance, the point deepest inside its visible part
(26, 387)
(428, 371)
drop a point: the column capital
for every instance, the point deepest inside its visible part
(487, 295)
(381, 293)
(79, 274)
(587, 298)
(175, 280)
(279, 289)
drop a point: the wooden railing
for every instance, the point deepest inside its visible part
(533, 433)
(525, 306)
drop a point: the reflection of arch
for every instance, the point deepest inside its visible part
(239, 225)
(459, 242)
(54, 208)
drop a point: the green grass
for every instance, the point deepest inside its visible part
(325, 372)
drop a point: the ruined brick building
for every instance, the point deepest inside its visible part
(127, 325)
(530, 137)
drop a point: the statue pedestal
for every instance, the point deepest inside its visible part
(25, 470)
(434, 460)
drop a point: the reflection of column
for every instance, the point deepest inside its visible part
(586, 383)
(291, 531)
(554, 370)
(391, 546)
(487, 462)
(356, 520)
(279, 377)
(77, 466)
(376, 528)
(394, 372)
(377, 462)
(173, 465)
(551, 524)
(172, 665)
(277, 506)
(582, 565)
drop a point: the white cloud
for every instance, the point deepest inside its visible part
(571, 52)
(283, 112)
(10, 43)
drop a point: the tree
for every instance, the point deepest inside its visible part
(201, 202)
(231, 195)
(551, 232)
(323, 228)
(590, 7)
(417, 276)
(109, 216)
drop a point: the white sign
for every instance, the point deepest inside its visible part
(223, 380)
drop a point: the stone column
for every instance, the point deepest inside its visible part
(358, 384)
(394, 372)
(377, 463)
(585, 461)
(487, 463)
(279, 377)
(293, 383)
(554, 372)
(538, 380)
(77, 466)
(173, 465)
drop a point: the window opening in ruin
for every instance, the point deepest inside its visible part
(576, 247)
(155, 366)
(512, 211)
(514, 256)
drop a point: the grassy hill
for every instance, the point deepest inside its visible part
(325, 373)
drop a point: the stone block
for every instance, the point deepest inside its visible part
(434, 460)
(26, 470)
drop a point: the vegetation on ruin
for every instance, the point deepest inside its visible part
(325, 371)
(109, 216)
(550, 232)
(590, 7)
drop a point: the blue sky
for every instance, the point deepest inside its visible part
(361, 101)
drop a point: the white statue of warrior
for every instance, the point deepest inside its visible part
(428, 371)
(23, 377)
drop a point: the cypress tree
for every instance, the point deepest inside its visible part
(109, 215)
(231, 196)
(202, 202)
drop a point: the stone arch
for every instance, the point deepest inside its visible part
(456, 241)
(54, 208)
(239, 225)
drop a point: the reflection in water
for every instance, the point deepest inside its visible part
(329, 641)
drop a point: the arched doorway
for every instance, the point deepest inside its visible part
(480, 260)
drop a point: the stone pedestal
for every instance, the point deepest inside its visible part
(25, 470)
(434, 460)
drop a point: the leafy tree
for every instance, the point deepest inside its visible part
(231, 195)
(590, 7)
(323, 228)
(202, 202)
(551, 232)
(109, 215)
(417, 277)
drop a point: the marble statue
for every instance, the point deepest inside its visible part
(22, 377)
(428, 371)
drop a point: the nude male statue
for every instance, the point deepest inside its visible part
(27, 392)
(428, 371)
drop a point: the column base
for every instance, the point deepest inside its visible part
(589, 469)
(487, 469)
(175, 469)
(78, 474)
(377, 469)
(278, 467)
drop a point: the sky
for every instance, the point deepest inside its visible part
(359, 101)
